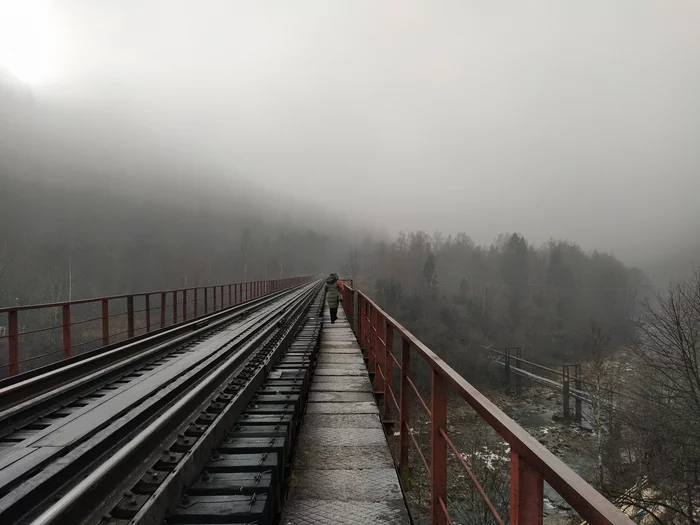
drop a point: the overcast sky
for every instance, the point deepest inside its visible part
(565, 119)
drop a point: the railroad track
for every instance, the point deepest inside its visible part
(138, 433)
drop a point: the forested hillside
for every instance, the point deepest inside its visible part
(457, 296)
(639, 351)
(93, 206)
(108, 243)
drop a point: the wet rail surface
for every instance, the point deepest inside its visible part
(147, 430)
(343, 471)
(246, 478)
(23, 396)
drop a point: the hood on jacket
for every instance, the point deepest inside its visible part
(332, 279)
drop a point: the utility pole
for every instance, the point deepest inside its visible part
(70, 277)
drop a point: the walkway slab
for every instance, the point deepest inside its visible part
(342, 408)
(341, 397)
(343, 470)
(340, 384)
(340, 358)
(341, 369)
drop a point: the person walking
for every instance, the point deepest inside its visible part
(333, 297)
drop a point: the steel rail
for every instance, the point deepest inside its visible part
(521, 360)
(551, 383)
(38, 391)
(174, 309)
(187, 471)
(89, 450)
(531, 463)
(71, 507)
(249, 285)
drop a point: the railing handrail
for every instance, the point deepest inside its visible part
(521, 360)
(179, 308)
(588, 502)
(59, 304)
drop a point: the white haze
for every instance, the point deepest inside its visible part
(575, 120)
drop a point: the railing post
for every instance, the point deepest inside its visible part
(438, 450)
(163, 302)
(222, 296)
(355, 313)
(130, 316)
(196, 307)
(518, 377)
(230, 296)
(13, 339)
(566, 394)
(66, 331)
(368, 329)
(213, 293)
(405, 414)
(148, 312)
(577, 400)
(371, 346)
(388, 371)
(360, 328)
(105, 322)
(365, 328)
(174, 307)
(184, 304)
(347, 306)
(507, 370)
(380, 356)
(526, 493)
(360, 325)
(206, 300)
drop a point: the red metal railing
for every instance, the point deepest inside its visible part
(531, 464)
(57, 324)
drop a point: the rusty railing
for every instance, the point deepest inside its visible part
(40, 334)
(531, 464)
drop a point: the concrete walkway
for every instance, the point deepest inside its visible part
(343, 471)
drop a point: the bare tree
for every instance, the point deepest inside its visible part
(668, 348)
(3, 270)
(602, 375)
(245, 252)
(352, 267)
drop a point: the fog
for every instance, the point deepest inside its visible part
(572, 120)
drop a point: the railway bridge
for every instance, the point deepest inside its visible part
(242, 403)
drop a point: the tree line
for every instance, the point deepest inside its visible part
(457, 295)
(62, 242)
(640, 351)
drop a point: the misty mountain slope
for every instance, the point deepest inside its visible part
(113, 243)
(58, 143)
(94, 200)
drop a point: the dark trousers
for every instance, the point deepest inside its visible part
(334, 314)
